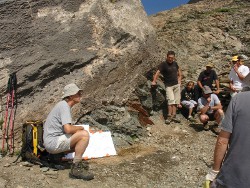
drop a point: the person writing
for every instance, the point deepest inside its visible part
(60, 135)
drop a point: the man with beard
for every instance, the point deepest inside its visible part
(207, 77)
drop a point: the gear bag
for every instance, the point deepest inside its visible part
(33, 149)
(32, 142)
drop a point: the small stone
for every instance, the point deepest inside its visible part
(44, 169)
(7, 165)
(27, 164)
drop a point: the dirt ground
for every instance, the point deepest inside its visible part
(175, 155)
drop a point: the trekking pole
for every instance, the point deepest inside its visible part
(6, 115)
(12, 113)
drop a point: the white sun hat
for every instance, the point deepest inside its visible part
(70, 89)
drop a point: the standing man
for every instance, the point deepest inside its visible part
(172, 80)
(207, 77)
(237, 74)
(210, 109)
(231, 166)
(61, 135)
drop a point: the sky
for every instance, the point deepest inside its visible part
(154, 6)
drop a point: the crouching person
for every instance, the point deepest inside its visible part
(61, 136)
(210, 109)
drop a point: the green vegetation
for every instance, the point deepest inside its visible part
(223, 10)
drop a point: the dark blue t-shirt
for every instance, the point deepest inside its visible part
(207, 78)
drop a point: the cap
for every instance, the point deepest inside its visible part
(207, 90)
(235, 58)
(70, 89)
(210, 65)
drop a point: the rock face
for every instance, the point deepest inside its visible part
(104, 47)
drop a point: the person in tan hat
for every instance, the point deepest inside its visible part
(60, 135)
(237, 75)
(207, 77)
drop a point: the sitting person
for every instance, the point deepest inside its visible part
(187, 99)
(210, 108)
(206, 77)
(60, 135)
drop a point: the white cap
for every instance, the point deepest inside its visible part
(69, 90)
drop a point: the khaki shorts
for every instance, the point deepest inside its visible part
(63, 144)
(173, 94)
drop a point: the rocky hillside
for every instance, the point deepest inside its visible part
(207, 31)
(203, 32)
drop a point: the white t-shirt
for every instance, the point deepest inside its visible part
(237, 82)
(203, 101)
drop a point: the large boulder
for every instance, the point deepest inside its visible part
(105, 47)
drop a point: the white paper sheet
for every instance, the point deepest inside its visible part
(100, 145)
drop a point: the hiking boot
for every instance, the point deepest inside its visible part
(168, 120)
(206, 126)
(191, 119)
(79, 172)
(176, 119)
(85, 165)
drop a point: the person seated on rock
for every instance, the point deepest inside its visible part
(187, 99)
(237, 75)
(206, 77)
(60, 135)
(210, 108)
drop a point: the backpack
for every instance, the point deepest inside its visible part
(32, 143)
(33, 149)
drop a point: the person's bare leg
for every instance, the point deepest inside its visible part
(204, 118)
(79, 142)
(219, 115)
(174, 109)
(170, 110)
(190, 112)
